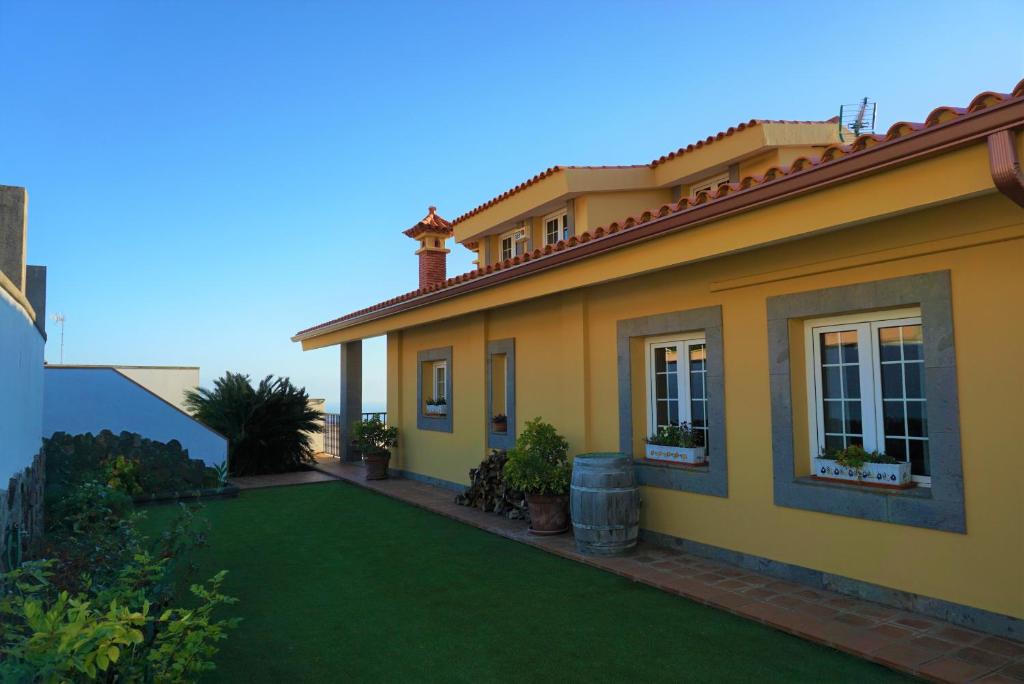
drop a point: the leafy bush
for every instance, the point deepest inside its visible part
(855, 456)
(99, 607)
(268, 426)
(681, 435)
(52, 636)
(538, 464)
(373, 437)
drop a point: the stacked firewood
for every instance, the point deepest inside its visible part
(489, 492)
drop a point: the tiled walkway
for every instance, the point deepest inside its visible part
(282, 479)
(919, 645)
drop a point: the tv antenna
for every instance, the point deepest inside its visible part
(858, 117)
(59, 319)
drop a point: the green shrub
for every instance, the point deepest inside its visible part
(48, 636)
(538, 464)
(99, 607)
(268, 426)
(373, 437)
(681, 435)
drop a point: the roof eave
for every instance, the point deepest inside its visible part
(964, 130)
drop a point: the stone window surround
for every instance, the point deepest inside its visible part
(435, 423)
(712, 480)
(940, 507)
(496, 440)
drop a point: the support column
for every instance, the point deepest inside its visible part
(351, 395)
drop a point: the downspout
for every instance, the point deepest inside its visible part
(1006, 171)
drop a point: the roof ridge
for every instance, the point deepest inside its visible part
(666, 157)
(939, 116)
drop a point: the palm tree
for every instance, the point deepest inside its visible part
(268, 426)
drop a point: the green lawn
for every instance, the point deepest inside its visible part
(337, 583)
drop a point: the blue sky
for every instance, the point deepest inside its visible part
(207, 178)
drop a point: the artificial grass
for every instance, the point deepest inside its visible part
(337, 583)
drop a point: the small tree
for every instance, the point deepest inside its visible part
(268, 426)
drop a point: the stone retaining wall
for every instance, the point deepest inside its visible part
(21, 513)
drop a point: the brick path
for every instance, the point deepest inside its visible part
(919, 645)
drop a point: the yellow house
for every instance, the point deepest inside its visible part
(786, 289)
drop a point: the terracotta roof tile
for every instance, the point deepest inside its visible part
(432, 223)
(532, 181)
(900, 130)
(660, 160)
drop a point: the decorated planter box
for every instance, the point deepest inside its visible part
(437, 410)
(674, 454)
(499, 426)
(891, 475)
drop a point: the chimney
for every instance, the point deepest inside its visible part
(431, 233)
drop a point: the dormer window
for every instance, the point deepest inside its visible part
(507, 246)
(709, 184)
(556, 227)
(513, 243)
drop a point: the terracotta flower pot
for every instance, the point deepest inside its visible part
(499, 426)
(376, 465)
(549, 514)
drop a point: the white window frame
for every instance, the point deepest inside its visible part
(436, 367)
(516, 246)
(562, 217)
(709, 184)
(867, 326)
(511, 237)
(682, 342)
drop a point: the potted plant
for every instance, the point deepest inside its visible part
(499, 423)
(677, 444)
(437, 407)
(853, 464)
(539, 467)
(374, 440)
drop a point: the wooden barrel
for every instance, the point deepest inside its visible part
(605, 503)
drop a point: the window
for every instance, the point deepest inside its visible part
(709, 184)
(433, 384)
(867, 386)
(556, 227)
(513, 243)
(441, 380)
(676, 383)
(501, 394)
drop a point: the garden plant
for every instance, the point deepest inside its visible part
(268, 426)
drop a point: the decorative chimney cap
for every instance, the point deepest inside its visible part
(431, 223)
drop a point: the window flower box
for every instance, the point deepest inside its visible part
(437, 409)
(889, 475)
(675, 454)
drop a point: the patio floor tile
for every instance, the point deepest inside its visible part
(953, 670)
(906, 656)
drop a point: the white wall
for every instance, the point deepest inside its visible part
(168, 382)
(79, 400)
(317, 439)
(21, 388)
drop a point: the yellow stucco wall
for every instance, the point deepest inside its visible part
(606, 207)
(566, 372)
